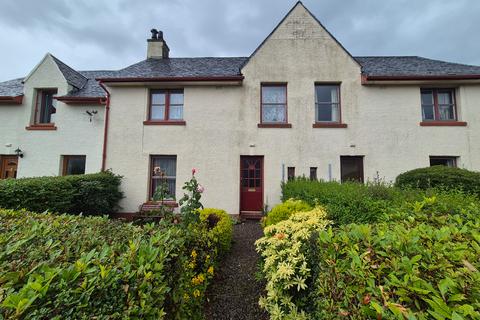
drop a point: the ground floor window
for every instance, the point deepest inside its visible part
(351, 168)
(73, 165)
(163, 169)
(290, 173)
(313, 173)
(443, 161)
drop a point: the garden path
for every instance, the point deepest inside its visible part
(235, 290)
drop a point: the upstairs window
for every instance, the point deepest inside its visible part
(274, 103)
(166, 105)
(45, 109)
(73, 165)
(163, 170)
(327, 103)
(438, 105)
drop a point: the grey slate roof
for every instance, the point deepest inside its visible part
(11, 88)
(73, 77)
(86, 85)
(413, 66)
(183, 67)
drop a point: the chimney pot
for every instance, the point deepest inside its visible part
(157, 47)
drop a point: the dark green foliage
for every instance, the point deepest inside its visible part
(71, 267)
(90, 194)
(347, 202)
(441, 177)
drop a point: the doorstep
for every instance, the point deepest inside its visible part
(251, 215)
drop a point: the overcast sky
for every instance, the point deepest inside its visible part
(101, 34)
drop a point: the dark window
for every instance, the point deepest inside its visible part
(291, 173)
(327, 103)
(274, 103)
(45, 106)
(74, 165)
(443, 161)
(166, 105)
(313, 173)
(164, 168)
(438, 105)
(351, 168)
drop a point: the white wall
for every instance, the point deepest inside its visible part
(221, 124)
(75, 134)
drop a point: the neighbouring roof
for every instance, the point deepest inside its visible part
(413, 66)
(183, 67)
(73, 77)
(11, 88)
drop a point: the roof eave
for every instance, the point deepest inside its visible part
(171, 79)
(11, 99)
(82, 100)
(366, 79)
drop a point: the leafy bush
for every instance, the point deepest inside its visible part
(345, 203)
(90, 194)
(440, 177)
(71, 267)
(284, 210)
(220, 227)
(285, 249)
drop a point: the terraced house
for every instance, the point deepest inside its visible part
(300, 104)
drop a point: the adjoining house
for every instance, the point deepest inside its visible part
(300, 104)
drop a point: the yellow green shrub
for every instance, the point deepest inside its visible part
(220, 227)
(284, 210)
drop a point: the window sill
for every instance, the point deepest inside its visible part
(443, 124)
(329, 125)
(164, 123)
(45, 126)
(274, 125)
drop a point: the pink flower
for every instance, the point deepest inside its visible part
(193, 171)
(200, 189)
(156, 170)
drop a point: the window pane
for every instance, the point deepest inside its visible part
(443, 161)
(274, 94)
(176, 98)
(158, 98)
(428, 113)
(75, 165)
(273, 113)
(168, 165)
(176, 112)
(427, 98)
(446, 112)
(158, 112)
(326, 93)
(313, 173)
(47, 107)
(351, 168)
(444, 98)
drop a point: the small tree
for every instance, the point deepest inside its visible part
(190, 202)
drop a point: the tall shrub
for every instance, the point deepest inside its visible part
(90, 194)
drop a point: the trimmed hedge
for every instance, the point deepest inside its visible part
(71, 267)
(284, 210)
(220, 226)
(440, 177)
(89, 194)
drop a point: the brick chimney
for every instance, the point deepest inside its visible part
(157, 48)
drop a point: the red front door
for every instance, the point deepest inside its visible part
(251, 184)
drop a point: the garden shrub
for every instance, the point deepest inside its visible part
(89, 194)
(73, 267)
(284, 210)
(440, 177)
(345, 203)
(285, 250)
(220, 226)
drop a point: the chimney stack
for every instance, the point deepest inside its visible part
(157, 48)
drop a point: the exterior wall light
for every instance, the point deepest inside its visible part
(19, 152)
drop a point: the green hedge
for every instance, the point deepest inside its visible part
(346, 202)
(422, 263)
(90, 194)
(71, 267)
(440, 177)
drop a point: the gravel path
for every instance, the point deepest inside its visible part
(234, 292)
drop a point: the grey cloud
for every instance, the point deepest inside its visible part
(101, 34)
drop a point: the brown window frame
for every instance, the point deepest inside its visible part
(166, 119)
(151, 175)
(436, 109)
(270, 124)
(40, 105)
(67, 158)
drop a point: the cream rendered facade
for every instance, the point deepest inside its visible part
(221, 123)
(43, 149)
